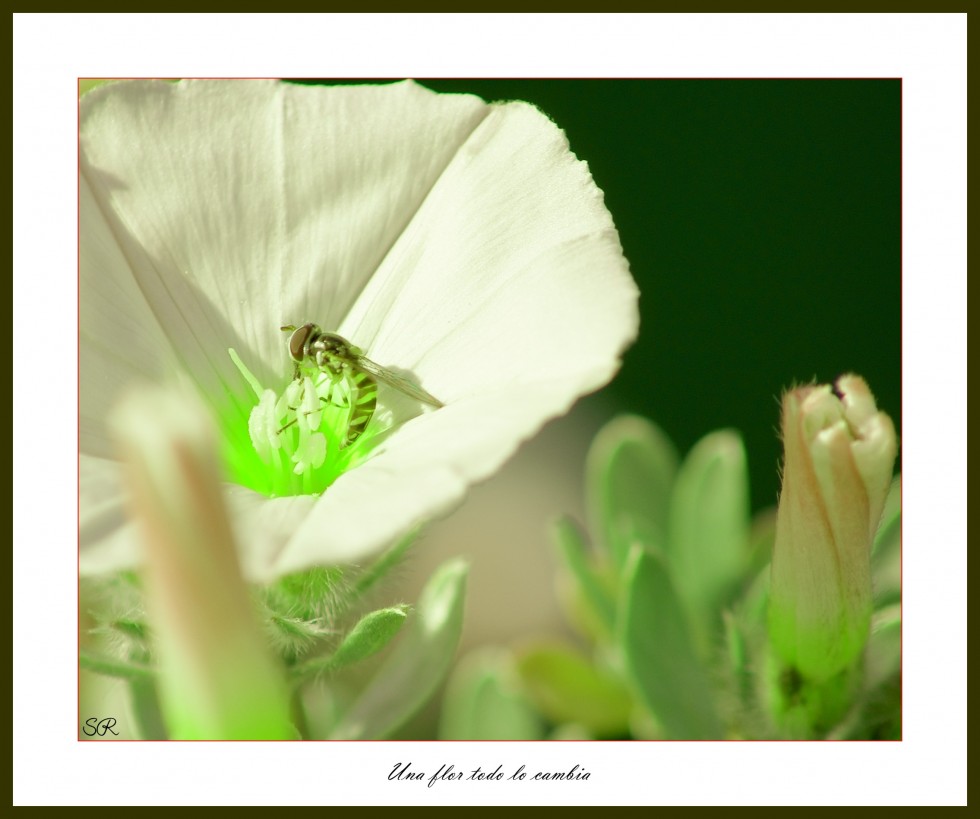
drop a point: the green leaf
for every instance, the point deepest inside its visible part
(84, 86)
(737, 652)
(570, 732)
(418, 663)
(751, 608)
(660, 654)
(112, 667)
(892, 510)
(883, 657)
(566, 687)
(371, 634)
(573, 551)
(886, 557)
(880, 714)
(629, 473)
(709, 524)
(762, 538)
(483, 701)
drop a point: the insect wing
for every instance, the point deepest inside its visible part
(396, 381)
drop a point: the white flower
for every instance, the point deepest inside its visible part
(454, 240)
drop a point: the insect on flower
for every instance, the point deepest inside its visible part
(311, 348)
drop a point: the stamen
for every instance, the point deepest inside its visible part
(253, 382)
(311, 451)
(298, 434)
(263, 427)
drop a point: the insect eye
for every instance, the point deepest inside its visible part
(297, 342)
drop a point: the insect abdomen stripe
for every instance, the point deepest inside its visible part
(364, 391)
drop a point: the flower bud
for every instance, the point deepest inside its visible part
(839, 454)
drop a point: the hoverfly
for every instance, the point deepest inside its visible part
(334, 355)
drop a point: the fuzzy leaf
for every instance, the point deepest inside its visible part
(371, 634)
(629, 473)
(417, 664)
(659, 652)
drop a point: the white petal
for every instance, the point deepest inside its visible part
(243, 205)
(875, 448)
(874, 455)
(264, 525)
(107, 539)
(121, 341)
(821, 409)
(859, 403)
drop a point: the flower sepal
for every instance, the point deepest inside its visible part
(803, 708)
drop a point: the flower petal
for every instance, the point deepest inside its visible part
(510, 272)
(120, 340)
(107, 539)
(243, 205)
(876, 445)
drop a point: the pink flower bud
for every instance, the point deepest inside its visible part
(839, 455)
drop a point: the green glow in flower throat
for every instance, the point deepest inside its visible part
(303, 439)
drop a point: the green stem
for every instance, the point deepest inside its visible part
(298, 714)
(114, 668)
(146, 708)
(383, 564)
(302, 673)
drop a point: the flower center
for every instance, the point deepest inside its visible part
(303, 438)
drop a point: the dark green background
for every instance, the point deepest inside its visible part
(762, 222)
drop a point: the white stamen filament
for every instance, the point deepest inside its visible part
(298, 431)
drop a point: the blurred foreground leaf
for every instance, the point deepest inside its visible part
(574, 553)
(709, 523)
(483, 701)
(886, 556)
(660, 655)
(419, 661)
(371, 634)
(629, 473)
(567, 688)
